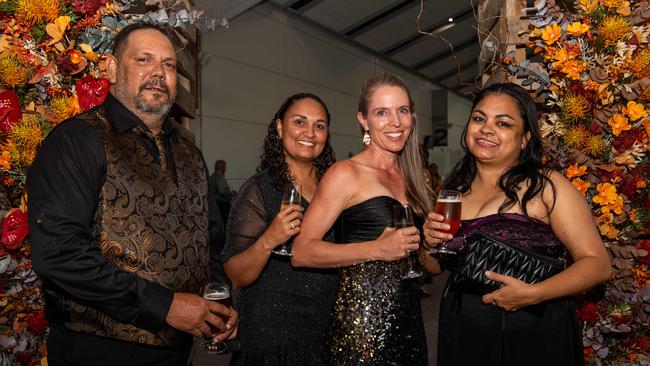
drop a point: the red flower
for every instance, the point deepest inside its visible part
(9, 110)
(37, 323)
(91, 92)
(86, 7)
(645, 245)
(24, 358)
(14, 229)
(588, 313)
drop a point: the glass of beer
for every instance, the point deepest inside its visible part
(403, 217)
(291, 196)
(219, 292)
(448, 205)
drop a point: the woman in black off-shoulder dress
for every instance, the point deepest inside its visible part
(377, 319)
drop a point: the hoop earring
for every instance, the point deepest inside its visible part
(366, 138)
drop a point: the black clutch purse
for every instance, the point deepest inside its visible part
(482, 252)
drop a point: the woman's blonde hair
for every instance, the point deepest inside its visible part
(419, 194)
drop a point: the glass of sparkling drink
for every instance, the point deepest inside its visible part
(292, 196)
(219, 292)
(403, 217)
(448, 205)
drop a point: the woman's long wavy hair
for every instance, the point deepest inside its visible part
(418, 192)
(272, 151)
(529, 168)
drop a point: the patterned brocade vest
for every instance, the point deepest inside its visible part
(151, 223)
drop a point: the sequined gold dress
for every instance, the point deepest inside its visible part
(377, 316)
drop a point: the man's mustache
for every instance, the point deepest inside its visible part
(155, 84)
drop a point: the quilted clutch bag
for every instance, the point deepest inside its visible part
(482, 252)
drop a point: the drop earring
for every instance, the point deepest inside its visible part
(366, 138)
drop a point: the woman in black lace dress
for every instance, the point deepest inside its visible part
(508, 193)
(377, 318)
(283, 311)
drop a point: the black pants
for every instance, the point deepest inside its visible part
(69, 348)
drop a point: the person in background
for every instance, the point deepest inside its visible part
(508, 192)
(119, 221)
(284, 310)
(377, 317)
(220, 189)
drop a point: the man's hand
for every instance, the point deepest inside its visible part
(195, 315)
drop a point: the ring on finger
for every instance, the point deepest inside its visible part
(293, 227)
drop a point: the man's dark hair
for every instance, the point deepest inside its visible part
(120, 41)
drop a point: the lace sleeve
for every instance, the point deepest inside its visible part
(247, 220)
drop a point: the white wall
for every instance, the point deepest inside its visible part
(267, 55)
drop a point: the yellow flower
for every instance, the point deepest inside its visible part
(577, 29)
(36, 11)
(618, 123)
(605, 226)
(634, 110)
(588, 5)
(606, 194)
(575, 107)
(14, 70)
(5, 160)
(26, 136)
(581, 185)
(551, 33)
(613, 29)
(62, 107)
(595, 146)
(576, 137)
(575, 170)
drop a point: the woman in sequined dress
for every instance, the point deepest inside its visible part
(377, 319)
(507, 192)
(284, 312)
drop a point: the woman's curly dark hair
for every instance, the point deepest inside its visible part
(528, 168)
(272, 151)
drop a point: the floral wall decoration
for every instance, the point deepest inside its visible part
(591, 72)
(52, 55)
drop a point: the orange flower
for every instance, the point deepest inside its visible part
(618, 123)
(613, 28)
(588, 5)
(632, 215)
(573, 68)
(634, 110)
(641, 183)
(646, 126)
(5, 160)
(617, 206)
(575, 170)
(606, 227)
(613, 3)
(606, 194)
(75, 57)
(581, 185)
(551, 33)
(577, 29)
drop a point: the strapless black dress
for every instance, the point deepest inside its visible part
(474, 333)
(377, 316)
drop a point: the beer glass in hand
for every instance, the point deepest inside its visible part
(220, 293)
(291, 196)
(448, 205)
(403, 217)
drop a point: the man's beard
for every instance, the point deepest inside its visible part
(142, 105)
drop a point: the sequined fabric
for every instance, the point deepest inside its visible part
(377, 316)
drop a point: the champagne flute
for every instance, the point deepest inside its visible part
(403, 217)
(448, 205)
(219, 292)
(291, 196)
